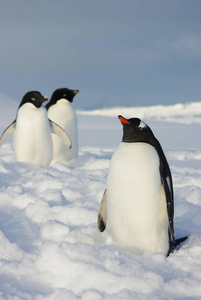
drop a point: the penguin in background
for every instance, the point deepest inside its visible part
(61, 111)
(32, 140)
(138, 203)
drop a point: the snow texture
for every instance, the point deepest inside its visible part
(50, 246)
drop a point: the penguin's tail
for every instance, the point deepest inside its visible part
(179, 241)
(176, 243)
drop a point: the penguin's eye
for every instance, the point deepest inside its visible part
(33, 99)
(142, 125)
(64, 95)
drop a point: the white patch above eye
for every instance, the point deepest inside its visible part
(33, 99)
(142, 125)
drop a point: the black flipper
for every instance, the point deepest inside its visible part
(166, 180)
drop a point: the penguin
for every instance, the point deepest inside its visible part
(61, 111)
(32, 140)
(138, 203)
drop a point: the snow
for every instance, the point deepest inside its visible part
(50, 246)
(183, 112)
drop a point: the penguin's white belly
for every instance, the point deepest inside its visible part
(136, 203)
(63, 114)
(32, 141)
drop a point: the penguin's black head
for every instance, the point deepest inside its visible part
(33, 97)
(135, 130)
(63, 93)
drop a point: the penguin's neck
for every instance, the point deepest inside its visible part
(63, 101)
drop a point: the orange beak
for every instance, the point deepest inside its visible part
(45, 99)
(123, 120)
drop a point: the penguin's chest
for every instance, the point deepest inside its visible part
(32, 137)
(33, 125)
(63, 114)
(135, 197)
(134, 170)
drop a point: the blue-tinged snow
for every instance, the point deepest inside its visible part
(50, 246)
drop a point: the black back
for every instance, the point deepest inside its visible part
(62, 93)
(134, 130)
(33, 97)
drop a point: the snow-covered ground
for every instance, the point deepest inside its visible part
(50, 246)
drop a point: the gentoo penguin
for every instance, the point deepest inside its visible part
(138, 201)
(61, 111)
(32, 140)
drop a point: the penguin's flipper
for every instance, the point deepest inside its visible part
(58, 130)
(8, 131)
(166, 180)
(167, 185)
(102, 214)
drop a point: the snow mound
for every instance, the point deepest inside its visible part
(50, 246)
(188, 112)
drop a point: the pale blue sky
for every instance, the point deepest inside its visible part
(117, 52)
